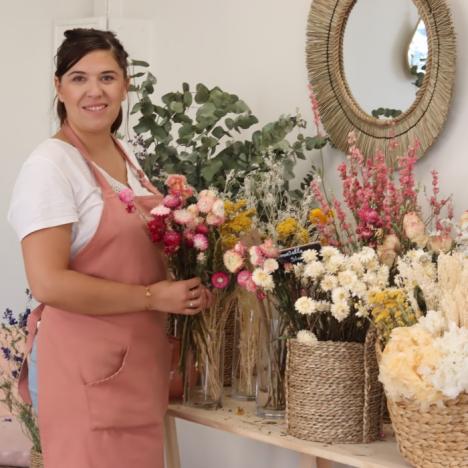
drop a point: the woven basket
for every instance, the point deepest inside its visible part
(333, 394)
(437, 438)
(228, 348)
(36, 459)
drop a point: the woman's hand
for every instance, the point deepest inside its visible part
(188, 297)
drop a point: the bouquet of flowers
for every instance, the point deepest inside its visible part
(386, 213)
(188, 227)
(12, 338)
(426, 362)
(335, 303)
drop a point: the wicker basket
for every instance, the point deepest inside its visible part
(36, 459)
(333, 394)
(437, 438)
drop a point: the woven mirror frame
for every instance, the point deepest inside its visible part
(339, 110)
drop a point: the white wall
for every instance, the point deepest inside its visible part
(254, 48)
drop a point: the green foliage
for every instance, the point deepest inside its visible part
(199, 133)
(385, 112)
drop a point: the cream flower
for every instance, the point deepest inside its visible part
(366, 255)
(340, 310)
(218, 208)
(270, 265)
(313, 270)
(347, 279)
(306, 337)
(328, 252)
(329, 282)
(305, 305)
(233, 261)
(334, 263)
(263, 279)
(309, 255)
(339, 295)
(183, 216)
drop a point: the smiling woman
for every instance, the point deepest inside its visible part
(101, 355)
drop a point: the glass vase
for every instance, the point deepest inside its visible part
(246, 345)
(271, 362)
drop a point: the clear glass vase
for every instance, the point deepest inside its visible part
(204, 374)
(271, 362)
(246, 345)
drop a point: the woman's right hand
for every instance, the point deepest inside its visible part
(185, 297)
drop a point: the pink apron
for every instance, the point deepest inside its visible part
(103, 380)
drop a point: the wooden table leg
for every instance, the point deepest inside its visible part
(309, 461)
(170, 443)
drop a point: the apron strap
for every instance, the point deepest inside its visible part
(31, 327)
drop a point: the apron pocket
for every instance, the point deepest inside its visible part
(127, 398)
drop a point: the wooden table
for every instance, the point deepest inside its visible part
(239, 418)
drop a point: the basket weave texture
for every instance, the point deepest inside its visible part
(36, 459)
(333, 393)
(437, 438)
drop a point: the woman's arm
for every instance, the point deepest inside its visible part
(46, 256)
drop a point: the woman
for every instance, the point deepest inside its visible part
(102, 353)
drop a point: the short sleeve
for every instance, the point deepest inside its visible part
(42, 197)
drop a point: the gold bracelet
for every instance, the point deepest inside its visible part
(148, 294)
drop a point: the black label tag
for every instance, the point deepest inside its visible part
(294, 254)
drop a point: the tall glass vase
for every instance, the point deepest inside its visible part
(271, 361)
(246, 345)
(204, 364)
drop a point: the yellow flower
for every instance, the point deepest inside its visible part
(317, 216)
(286, 228)
(303, 236)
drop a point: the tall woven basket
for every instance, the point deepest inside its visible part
(36, 459)
(437, 438)
(333, 392)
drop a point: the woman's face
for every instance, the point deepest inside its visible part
(92, 92)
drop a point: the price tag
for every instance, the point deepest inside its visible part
(294, 254)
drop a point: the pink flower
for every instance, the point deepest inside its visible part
(171, 240)
(157, 228)
(218, 208)
(202, 229)
(178, 186)
(206, 200)
(213, 220)
(256, 256)
(193, 209)
(219, 280)
(414, 229)
(233, 261)
(260, 295)
(172, 201)
(243, 277)
(240, 249)
(251, 286)
(200, 242)
(160, 210)
(126, 196)
(183, 216)
(269, 250)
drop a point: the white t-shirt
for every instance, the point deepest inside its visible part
(55, 186)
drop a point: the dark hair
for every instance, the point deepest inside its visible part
(79, 42)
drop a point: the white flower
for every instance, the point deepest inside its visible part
(333, 264)
(339, 295)
(313, 270)
(434, 322)
(347, 279)
(367, 254)
(201, 258)
(160, 210)
(329, 282)
(358, 289)
(340, 310)
(218, 208)
(309, 255)
(233, 261)
(270, 265)
(305, 305)
(328, 252)
(306, 337)
(383, 275)
(322, 306)
(263, 279)
(354, 262)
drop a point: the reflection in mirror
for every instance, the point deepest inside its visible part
(418, 52)
(375, 40)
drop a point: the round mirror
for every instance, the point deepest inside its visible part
(375, 48)
(357, 62)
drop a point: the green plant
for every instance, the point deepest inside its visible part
(193, 133)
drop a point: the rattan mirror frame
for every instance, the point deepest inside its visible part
(339, 110)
